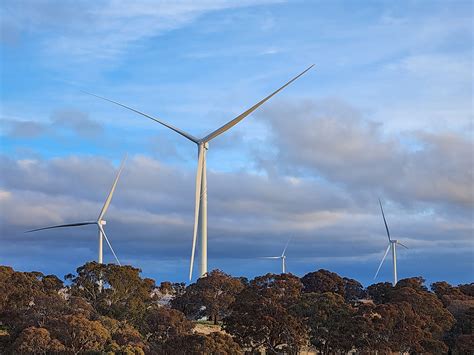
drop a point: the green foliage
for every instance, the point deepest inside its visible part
(328, 319)
(80, 334)
(209, 297)
(197, 344)
(114, 291)
(260, 316)
(37, 341)
(323, 281)
(162, 325)
(111, 309)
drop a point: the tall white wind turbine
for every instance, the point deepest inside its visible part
(392, 244)
(100, 222)
(200, 208)
(282, 257)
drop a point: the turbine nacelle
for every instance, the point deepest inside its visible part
(204, 144)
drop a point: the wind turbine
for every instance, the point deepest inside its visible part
(100, 222)
(200, 208)
(392, 244)
(282, 257)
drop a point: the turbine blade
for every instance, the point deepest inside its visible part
(249, 111)
(384, 220)
(270, 257)
(402, 245)
(61, 226)
(384, 256)
(286, 246)
(108, 242)
(177, 130)
(112, 190)
(196, 207)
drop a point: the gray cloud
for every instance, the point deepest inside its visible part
(319, 184)
(333, 140)
(75, 121)
(78, 121)
(22, 129)
(249, 215)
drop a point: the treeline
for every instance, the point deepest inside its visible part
(112, 309)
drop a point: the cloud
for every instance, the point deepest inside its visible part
(102, 30)
(22, 129)
(333, 140)
(77, 121)
(310, 168)
(249, 215)
(61, 120)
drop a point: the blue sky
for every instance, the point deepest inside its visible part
(386, 112)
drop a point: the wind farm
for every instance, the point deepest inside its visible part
(200, 209)
(324, 205)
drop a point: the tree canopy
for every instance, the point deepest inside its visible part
(113, 309)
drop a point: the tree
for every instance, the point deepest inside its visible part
(467, 289)
(447, 293)
(51, 283)
(215, 343)
(79, 334)
(162, 324)
(210, 296)
(329, 320)
(172, 288)
(275, 313)
(416, 283)
(397, 328)
(260, 315)
(125, 338)
(34, 340)
(323, 281)
(380, 292)
(436, 319)
(460, 303)
(124, 294)
(27, 300)
(353, 290)
(415, 318)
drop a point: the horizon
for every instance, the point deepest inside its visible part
(385, 113)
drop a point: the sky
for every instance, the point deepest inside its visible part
(387, 112)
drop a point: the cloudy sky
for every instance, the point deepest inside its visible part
(386, 112)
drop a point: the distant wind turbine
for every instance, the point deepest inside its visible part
(282, 257)
(392, 244)
(200, 208)
(100, 222)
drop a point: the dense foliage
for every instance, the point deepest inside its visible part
(112, 309)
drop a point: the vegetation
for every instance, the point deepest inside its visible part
(112, 309)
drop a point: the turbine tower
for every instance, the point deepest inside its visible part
(392, 244)
(200, 208)
(282, 257)
(100, 222)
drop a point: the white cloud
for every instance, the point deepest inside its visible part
(103, 30)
